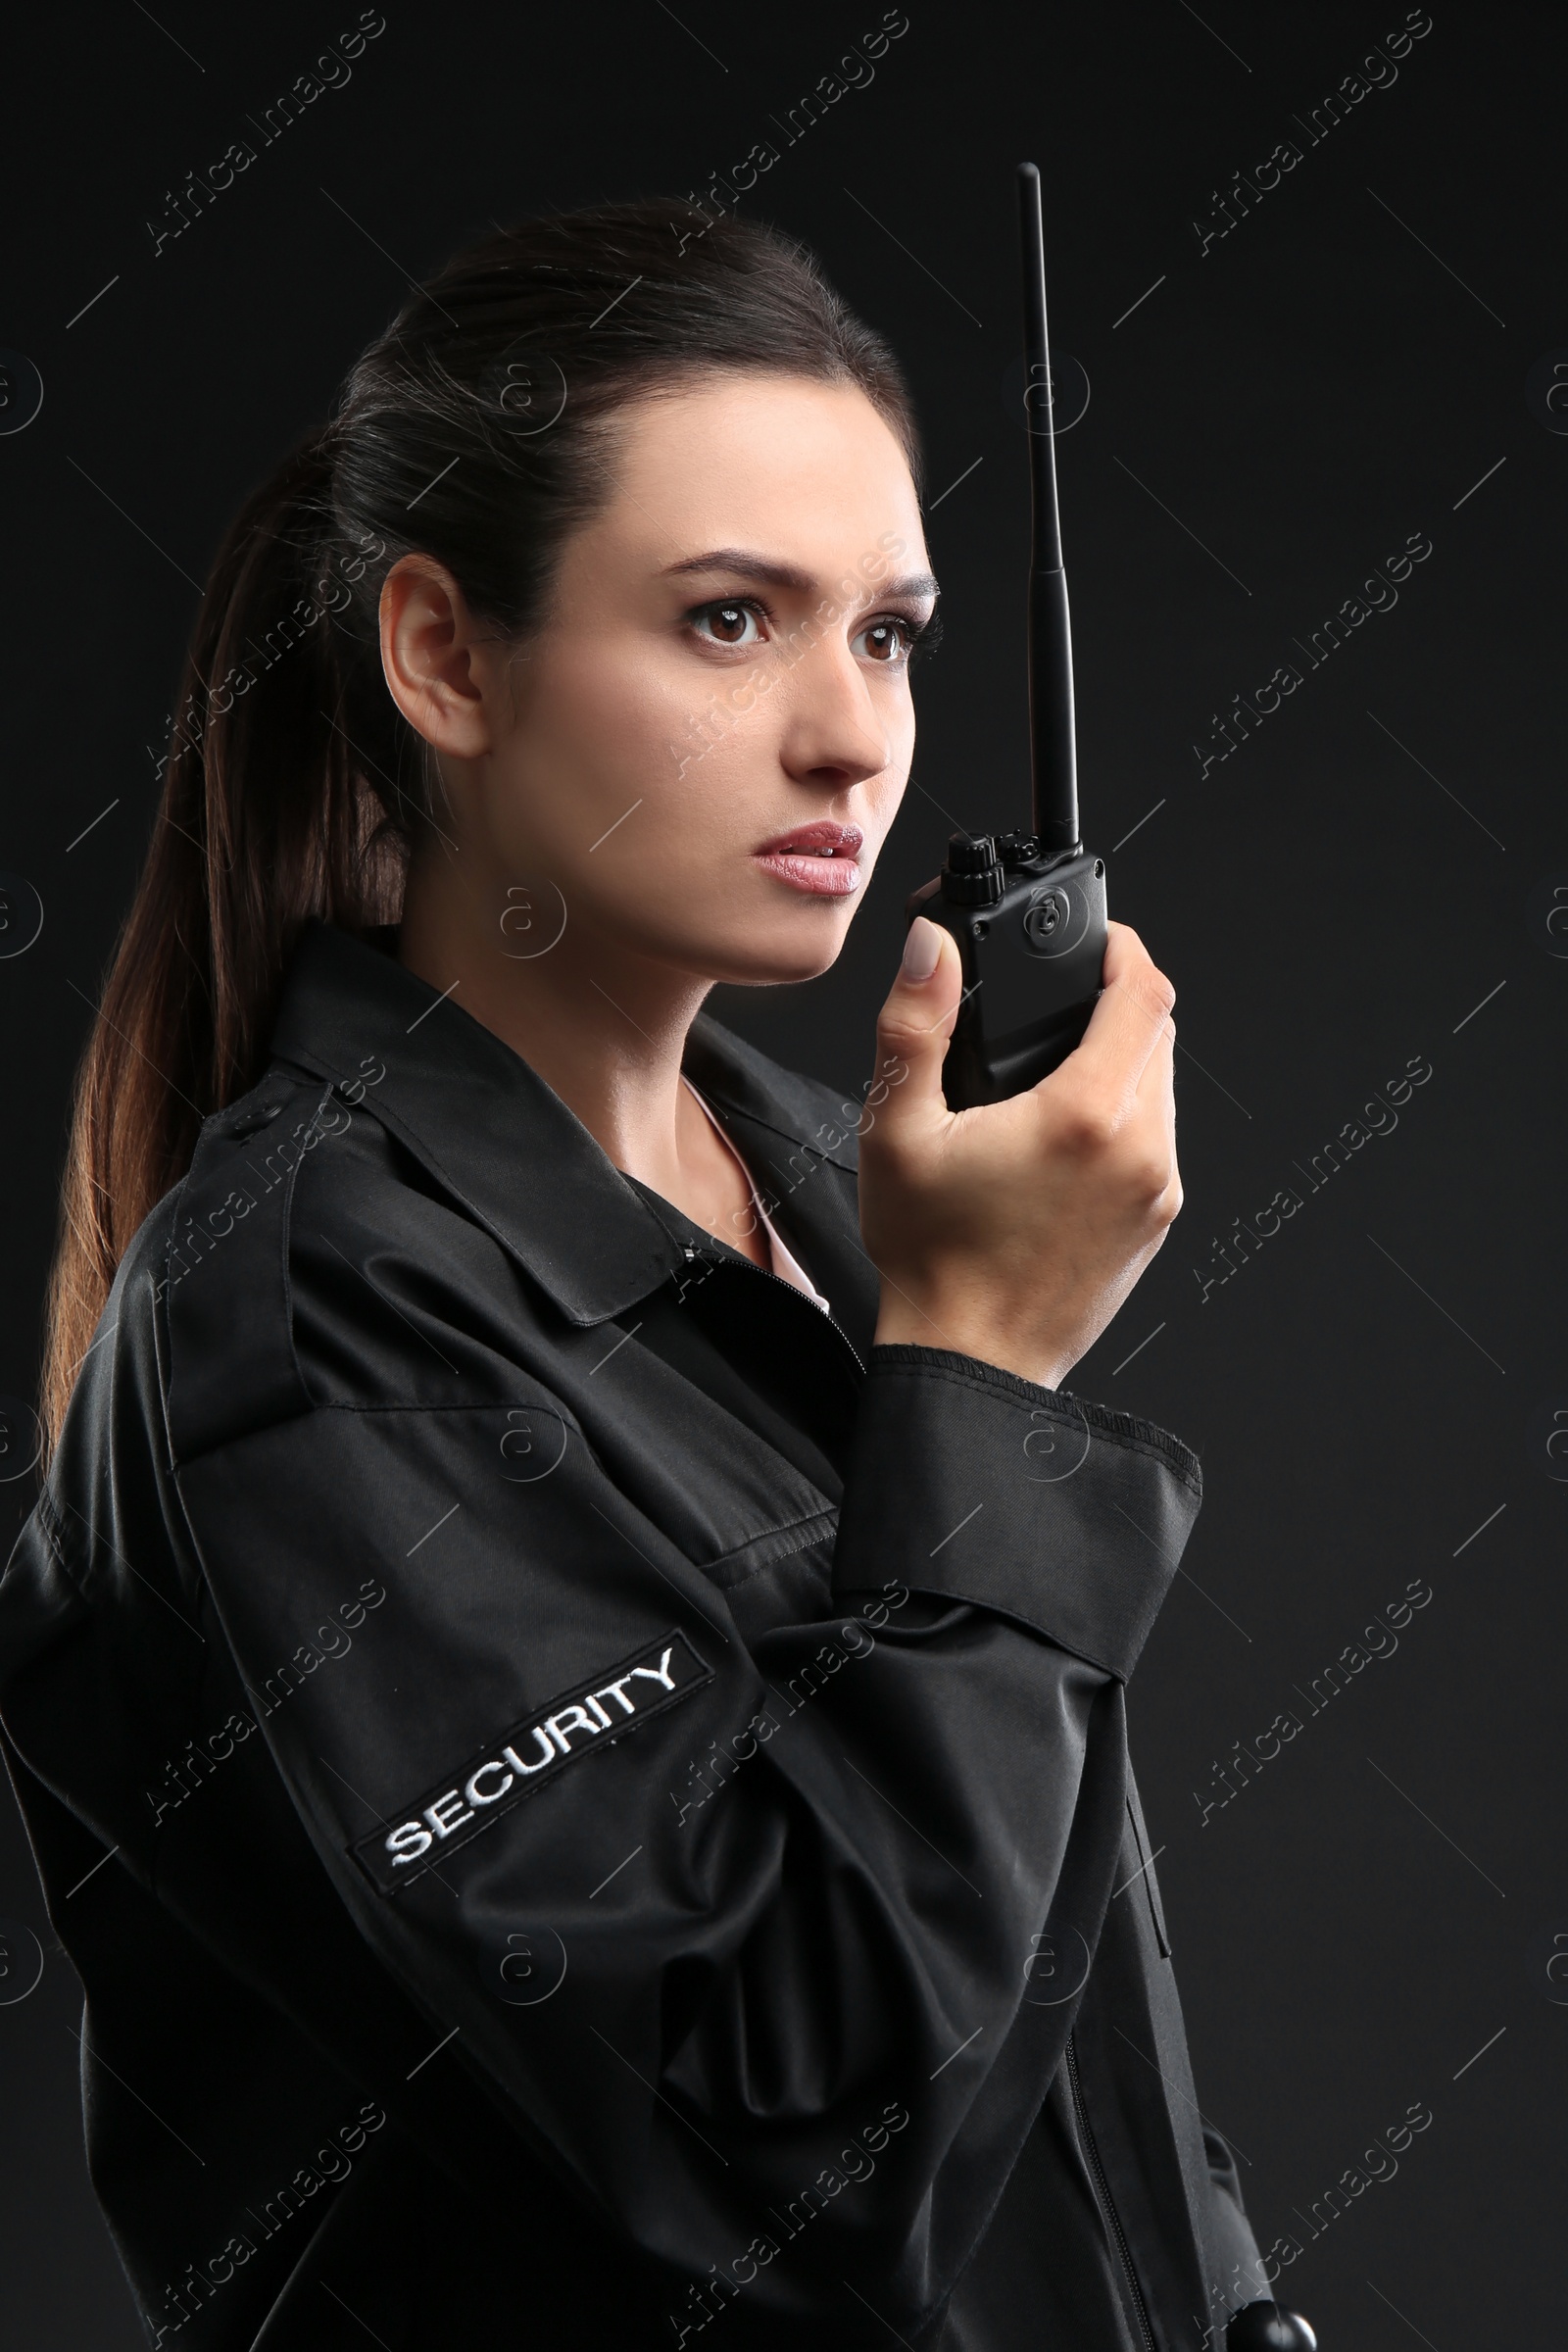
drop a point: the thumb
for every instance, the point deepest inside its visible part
(916, 1024)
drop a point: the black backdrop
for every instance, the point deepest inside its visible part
(1363, 889)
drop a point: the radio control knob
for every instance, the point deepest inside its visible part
(972, 876)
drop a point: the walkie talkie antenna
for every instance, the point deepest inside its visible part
(1027, 911)
(1052, 735)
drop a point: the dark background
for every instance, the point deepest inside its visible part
(1345, 892)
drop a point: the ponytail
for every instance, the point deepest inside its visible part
(472, 429)
(263, 820)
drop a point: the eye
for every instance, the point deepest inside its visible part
(890, 640)
(725, 623)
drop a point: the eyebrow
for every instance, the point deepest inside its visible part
(748, 566)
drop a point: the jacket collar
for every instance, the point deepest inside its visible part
(491, 1130)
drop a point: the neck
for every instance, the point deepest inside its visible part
(602, 1024)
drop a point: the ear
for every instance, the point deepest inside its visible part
(430, 657)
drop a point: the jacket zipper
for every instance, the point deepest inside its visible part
(1086, 2130)
(1102, 2191)
(768, 1274)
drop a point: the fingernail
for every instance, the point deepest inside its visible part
(921, 951)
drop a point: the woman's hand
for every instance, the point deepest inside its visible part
(1013, 1232)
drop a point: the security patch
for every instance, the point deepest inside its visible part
(577, 1724)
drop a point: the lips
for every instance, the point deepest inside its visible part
(818, 858)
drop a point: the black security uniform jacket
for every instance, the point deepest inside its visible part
(615, 1790)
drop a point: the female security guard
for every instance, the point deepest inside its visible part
(598, 1692)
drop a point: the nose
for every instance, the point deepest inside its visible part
(834, 735)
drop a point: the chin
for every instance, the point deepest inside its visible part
(777, 963)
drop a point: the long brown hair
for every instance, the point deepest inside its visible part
(475, 428)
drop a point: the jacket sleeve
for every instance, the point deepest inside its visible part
(768, 1940)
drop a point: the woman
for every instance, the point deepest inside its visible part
(571, 1705)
